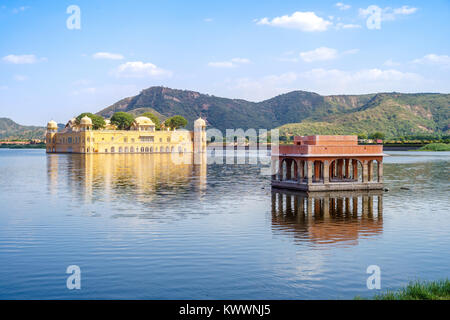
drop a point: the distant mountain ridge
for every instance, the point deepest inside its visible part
(12, 130)
(300, 112)
(295, 113)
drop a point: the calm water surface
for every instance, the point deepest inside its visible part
(140, 228)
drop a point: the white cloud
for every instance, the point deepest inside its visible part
(20, 77)
(388, 13)
(303, 21)
(20, 9)
(139, 69)
(229, 64)
(391, 63)
(341, 25)
(208, 20)
(22, 59)
(343, 6)
(108, 55)
(434, 59)
(405, 10)
(3, 87)
(319, 54)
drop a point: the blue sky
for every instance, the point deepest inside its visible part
(252, 50)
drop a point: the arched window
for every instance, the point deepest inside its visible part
(151, 149)
(132, 149)
(147, 150)
(167, 149)
(126, 149)
(120, 150)
(113, 150)
(172, 149)
(142, 149)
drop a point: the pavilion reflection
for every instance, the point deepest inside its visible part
(328, 217)
(136, 177)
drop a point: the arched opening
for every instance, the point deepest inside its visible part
(126, 149)
(142, 149)
(113, 149)
(151, 149)
(167, 149)
(172, 149)
(147, 150)
(131, 149)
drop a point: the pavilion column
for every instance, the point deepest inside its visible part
(340, 166)
(309, 171)
(326, 171)
(347, 168)
(295, 169)
(288, 169)
(370, 169)
(280, 169)
(365, 171)
(380, 171)
(302, 170)
(317, 171)
(355, 169)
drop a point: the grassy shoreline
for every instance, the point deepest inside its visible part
(418, 290)
(435, 147)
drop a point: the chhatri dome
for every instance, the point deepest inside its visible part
(86, 121)
(199, 123)
(52, 125)
(144, 121)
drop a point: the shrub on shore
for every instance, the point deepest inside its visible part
(436, 147)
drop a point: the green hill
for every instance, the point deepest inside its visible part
(13, 131)
(300, 112)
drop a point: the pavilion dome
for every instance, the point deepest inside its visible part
(199, 123)
(144, 121)
(52, 125)
(86, 121)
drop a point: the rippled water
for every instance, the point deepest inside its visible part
(140, 228)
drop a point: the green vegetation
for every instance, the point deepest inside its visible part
(301, 113)
(97, 121)
(154, 118)
(23, 146)
(122, 120)
(9, 130)
(419, 290)
(436, 147)
(176, 122)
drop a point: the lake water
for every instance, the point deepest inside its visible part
(141, 228)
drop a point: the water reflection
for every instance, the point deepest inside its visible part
(132, 177)
(328, 217)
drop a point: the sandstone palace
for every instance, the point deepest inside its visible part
(141, 137)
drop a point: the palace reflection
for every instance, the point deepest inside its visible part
(132, 177)
(328, 217)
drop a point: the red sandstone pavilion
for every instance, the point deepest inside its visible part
(320, 163)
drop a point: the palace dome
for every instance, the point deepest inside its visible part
(86, 121)
(52, 125)
(144, 121)
(199, 123)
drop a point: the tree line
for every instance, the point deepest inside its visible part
(124, 120)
